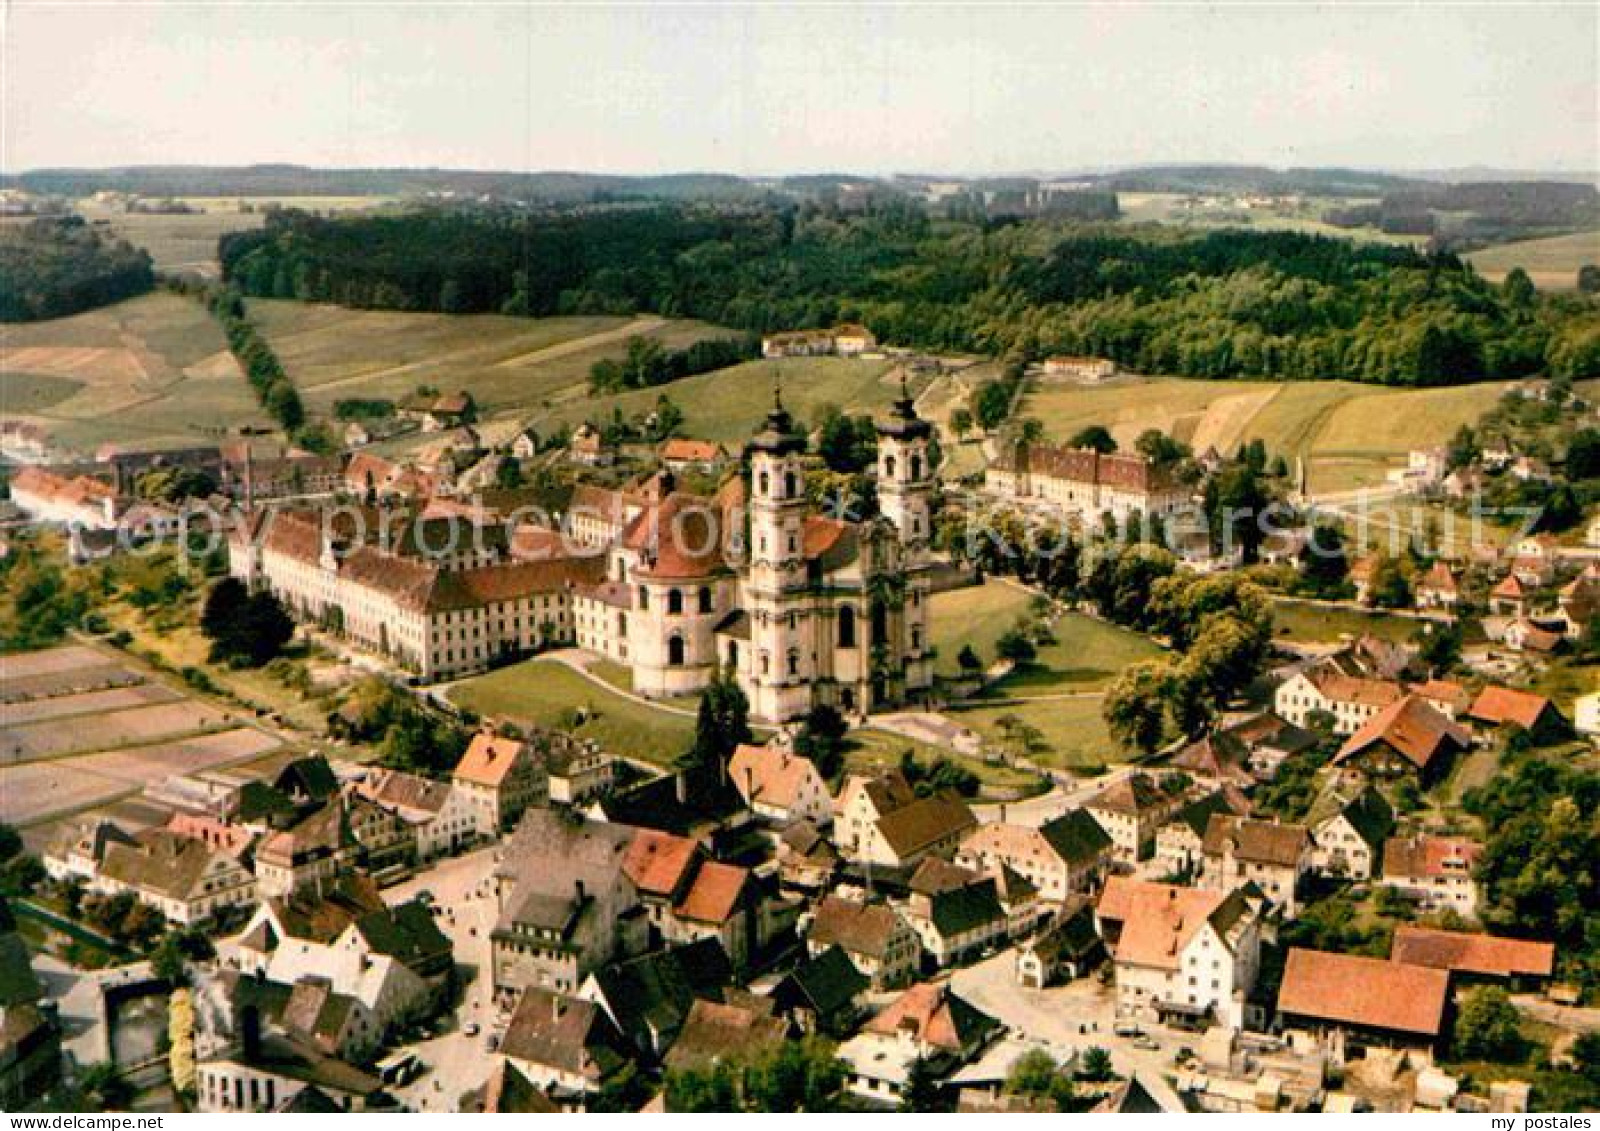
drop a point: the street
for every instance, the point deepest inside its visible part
(465, 910)
(1079, 1014)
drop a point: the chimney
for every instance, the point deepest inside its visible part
(578, 889)
(680, 783)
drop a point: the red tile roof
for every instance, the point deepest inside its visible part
(1369, 992)
(489, 758)
(1158, 920)
(1430, 856)
(714, 895)
(1500, 705)
(1473, 953)
(1412, 727)
(659, 863)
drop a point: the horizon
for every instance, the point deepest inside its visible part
(973, 91)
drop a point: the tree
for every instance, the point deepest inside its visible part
(721, 723)
(961, 422)
(992, 404)
(1096, 437)
(1464, 449)
(1324, 561)
(1134, 706)
(1014, 645)
(1440, 647)
(1589, 279)
(508, 474)
(922, 1091)
(103, 1088)
(222, 614)
(1391, 585)
(10, 842)
(1160, 448)
(1488, 1027)
(1036, 1075)
(180, 1036)
(821, 739)
(1096, 1065)
(968, 660)
(1583, 454)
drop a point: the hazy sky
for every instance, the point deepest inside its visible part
(779, 88)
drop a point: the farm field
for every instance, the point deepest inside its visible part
(1349, 434)
(93, 750)
(729, 404)
(176, 243)
(509, 365)
(1552, 263)
(547, 693)
(1170, 208)
(153, 371)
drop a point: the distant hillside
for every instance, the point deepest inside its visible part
(301, 181)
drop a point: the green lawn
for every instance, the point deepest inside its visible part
(1319, 624)
(546, 693)
(728, 405)
(977, 615)
(1088, 653)
(1074, 734)
(876, 749)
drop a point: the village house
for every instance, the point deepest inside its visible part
(442, 818)
(1408, 737)
(717, 1032)
(1065, 855)
(848, 339)
(1216, 758)
(78, 501)
(956, 912)
(311, 850)
(861, 802)
(824, 994)
(310, 1012)
(681, 455)
(437, 412)
(1510, 598)
(806, 858)
(500, 777)
(1274, 857)
(1437, 589)
(1080, 368)
(1348, 831)
(880, 943)
(563, 1045)
(30, 1032)
(1436, 871)
(1446, 696)
(1085, 483)
(1180, 843)
(1353, 701)
(395, 962)
(186, 880)
(271, 1073)
(566, 905)
(1069, 947)
(648, 998)
(1180, 954)
(1269, 741)
(1521, 964)
(928, 1022)
(1130, 812)
(1498, 707)
(588, 447)
(575, 769)
(1338, 1005)
(780, 785)
(689, 897)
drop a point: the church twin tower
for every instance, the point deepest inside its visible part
(837, 610)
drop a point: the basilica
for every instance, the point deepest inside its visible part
(801, 608)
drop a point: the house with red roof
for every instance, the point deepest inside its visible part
(1436, 871)
(1341, 1004)
(1408, 737)
(1521, 963)
(1497, 707)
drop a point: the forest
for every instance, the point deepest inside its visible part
(1155, 299)
(56, 266)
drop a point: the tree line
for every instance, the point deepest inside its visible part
(1229, 303)
(55, 266)
(647, 362)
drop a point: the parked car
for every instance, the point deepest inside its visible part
(471, 1029)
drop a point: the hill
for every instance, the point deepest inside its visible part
(1552, 263)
